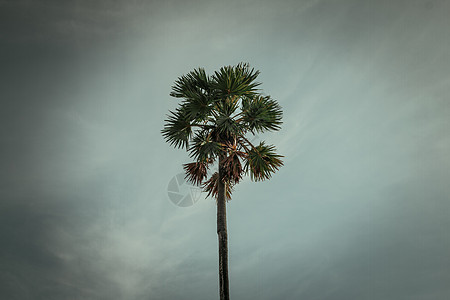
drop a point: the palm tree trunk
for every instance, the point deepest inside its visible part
(222, 236)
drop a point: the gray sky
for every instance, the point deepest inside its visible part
(359, 211)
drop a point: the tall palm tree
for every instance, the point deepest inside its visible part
(213, 120)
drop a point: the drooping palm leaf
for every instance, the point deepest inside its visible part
(196, 172)
(211, 186)
(262, 161)
(232, 168)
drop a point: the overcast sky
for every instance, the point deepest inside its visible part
(361, 209)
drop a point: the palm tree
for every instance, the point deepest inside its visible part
(212, 123)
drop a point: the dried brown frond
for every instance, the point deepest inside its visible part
(232, 168)
(195, 172)
(211, 187)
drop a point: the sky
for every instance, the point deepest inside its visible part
(360, 210)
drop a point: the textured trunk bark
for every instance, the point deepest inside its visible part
(223, 237)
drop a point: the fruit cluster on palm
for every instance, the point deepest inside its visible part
(214, 122)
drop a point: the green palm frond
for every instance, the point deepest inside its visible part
(227, 127)
(190, 85)
(225, 123)
(198, 108)
(261, 113)
(235, 81)
(196, 172)
(204, 148)
(177, 130)
(262, 161)
(195, 88)
(227, 106)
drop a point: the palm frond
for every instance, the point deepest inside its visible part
(204, 148)
(227, 106)
(196, 172)
(261, 113)
(196, 90)
(211, 186)
(262, 162)
(177, 129)
(189, 85)
(198, 108)
(232, 168)
(236, 80)
(227, 127)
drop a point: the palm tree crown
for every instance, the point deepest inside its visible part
(212, 123)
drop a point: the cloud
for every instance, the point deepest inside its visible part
(360, 206)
